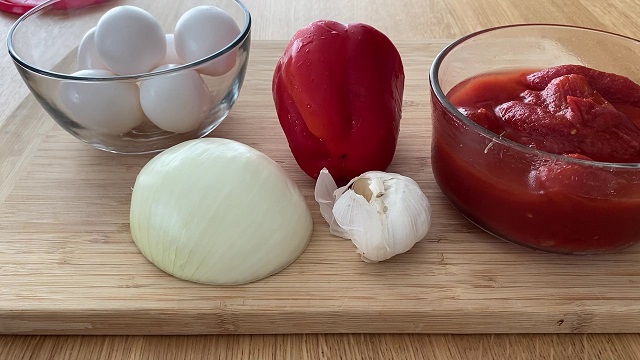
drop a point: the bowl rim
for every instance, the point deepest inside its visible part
(434, 83)
(244, 34)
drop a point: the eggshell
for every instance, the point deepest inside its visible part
(88, 57)
(202, 31)
(172, 56)
(177, 102)
(130, 41)
(107, 107)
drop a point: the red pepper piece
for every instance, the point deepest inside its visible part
(338, 94)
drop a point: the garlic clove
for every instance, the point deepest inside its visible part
(352, 212)
(324, 193)
(362, 225)
(325, 186)
(408, 212)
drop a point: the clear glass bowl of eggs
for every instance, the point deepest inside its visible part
(134, 76)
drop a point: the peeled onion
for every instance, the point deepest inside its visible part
(219, 212)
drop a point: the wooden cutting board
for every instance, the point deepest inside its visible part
(68, 264)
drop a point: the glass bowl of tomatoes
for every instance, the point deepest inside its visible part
(536, 136)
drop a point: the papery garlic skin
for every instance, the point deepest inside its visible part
(325, 195)
(383, 214)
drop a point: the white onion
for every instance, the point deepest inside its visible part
(219, 212)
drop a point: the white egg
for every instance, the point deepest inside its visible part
(202, 31)
(130, 40)
(177, 102)
(88, 57)
(108, 107)
(172, 56)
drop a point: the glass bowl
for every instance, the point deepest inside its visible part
(44, 44)
(579, 206)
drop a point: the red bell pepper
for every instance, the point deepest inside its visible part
(338, 94)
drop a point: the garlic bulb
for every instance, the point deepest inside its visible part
(384, 214)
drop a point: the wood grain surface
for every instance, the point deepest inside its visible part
(69, 265)
(27, 166)
(324, 346)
